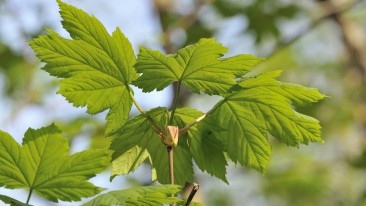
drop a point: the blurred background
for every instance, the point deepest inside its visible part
(318, 43)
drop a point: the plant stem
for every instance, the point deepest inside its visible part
(171, 167)
(175, 103)
(192, 194)
(169, 148)
(171, 164)
(29, 195)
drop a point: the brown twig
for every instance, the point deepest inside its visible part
(192, 194)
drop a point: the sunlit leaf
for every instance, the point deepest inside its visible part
(44, 166)
(96, 66)
(200, 67)
(204, 144)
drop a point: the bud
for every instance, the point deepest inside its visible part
(171, 138)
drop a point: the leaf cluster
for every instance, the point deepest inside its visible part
(98, 69)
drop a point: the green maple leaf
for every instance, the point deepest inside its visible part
(43, 165)
(148, 195)
(271, 103)
(261, 104)
(97, 67)
(204, 144)
(200, 67)
(136, 141)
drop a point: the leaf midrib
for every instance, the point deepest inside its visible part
(40, 163)
(165, 64)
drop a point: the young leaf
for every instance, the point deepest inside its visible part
(148, 195)
(200, 67)
(137, 136)
(97, 67)
(206, 148)
(43, 165)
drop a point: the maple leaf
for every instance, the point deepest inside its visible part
(199, 67)
(205, 146)
(97, 67)
(271, 100)
(262, 104)
(43, 165)
(148, 195)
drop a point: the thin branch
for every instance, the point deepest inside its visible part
(192, 194)
(338, 10)
(354, 50)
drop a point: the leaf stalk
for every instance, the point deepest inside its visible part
(188, 126)
(175, 103)
(29, 196)
(136, 103)
(144, 113)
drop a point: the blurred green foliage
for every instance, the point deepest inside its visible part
(263, 15)
(17, 70)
